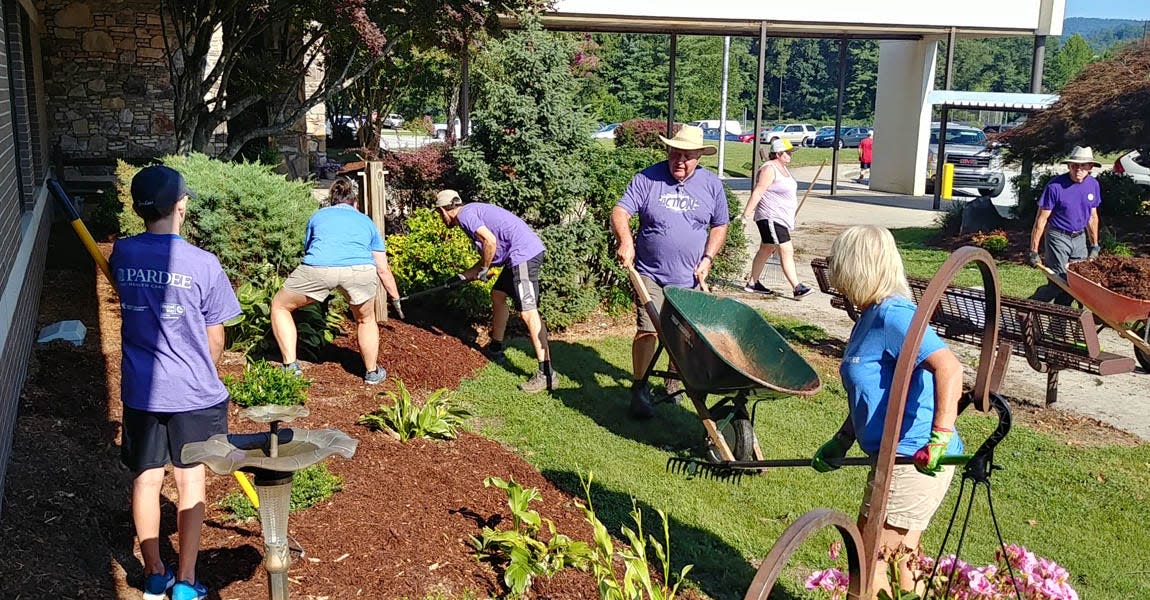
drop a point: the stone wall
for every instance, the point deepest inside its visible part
(107, 88)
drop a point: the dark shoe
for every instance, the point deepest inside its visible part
(802, 290)
(641, 401)
(539, 382)
(494, 351)
(375, 377)
(757, 288)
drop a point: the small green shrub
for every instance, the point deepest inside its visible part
(1121, 195)
(1111, 245)
(251, 332)
(128, 222)
(995, 242)
(1028, 193)
(950, 219)
(309, 486)
(642, 133)
(244, 213)
(439, 418)
(266, 384)
(519, 550)
(430, 254)
(729, 264)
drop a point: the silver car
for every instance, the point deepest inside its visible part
(977, 163)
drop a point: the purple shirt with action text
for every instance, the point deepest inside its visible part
(515, 242)
(674, 221)
(1070, 203)
(170, 291)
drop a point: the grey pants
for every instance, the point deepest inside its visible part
(1059, 249)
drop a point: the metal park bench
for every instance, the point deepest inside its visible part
(1050, 337)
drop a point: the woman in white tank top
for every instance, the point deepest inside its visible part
(774, 202)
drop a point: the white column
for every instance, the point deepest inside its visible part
(901, 115)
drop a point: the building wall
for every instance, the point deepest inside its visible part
(902, 115)
(24, 216)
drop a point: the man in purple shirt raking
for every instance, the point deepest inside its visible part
(683, 220)
(504, 240)
(174, 299)
(1067, 213)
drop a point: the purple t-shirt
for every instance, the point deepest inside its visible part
(1070, 203)
(674, 221)
(515, 242)
(170, 291)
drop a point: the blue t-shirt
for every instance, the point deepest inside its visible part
(1070, 203)
(868, 370)
(674, 221)
(515, 242)
(340, 236)
(170, 292)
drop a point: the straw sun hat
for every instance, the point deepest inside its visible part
(1082, 155)
(689, 137)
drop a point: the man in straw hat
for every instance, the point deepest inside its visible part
(1067, 214)
(683, 220)
(504, 240)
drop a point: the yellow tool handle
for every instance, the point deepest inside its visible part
(246, 486)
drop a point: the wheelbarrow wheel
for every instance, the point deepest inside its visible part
(739, 433)
(1143, 358)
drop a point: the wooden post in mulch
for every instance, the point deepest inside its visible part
(375, 206)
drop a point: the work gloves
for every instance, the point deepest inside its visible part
(927, 458)
(1033, 259)
(398, 306)
(833, 450)
(1094, 250)
(481, 275)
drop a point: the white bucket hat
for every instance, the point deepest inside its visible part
(689, 137)
(1082, 155)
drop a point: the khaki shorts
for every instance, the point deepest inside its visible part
(359, 282)
(914, 497)
(642, 319)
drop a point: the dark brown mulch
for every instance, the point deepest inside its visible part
(1124, 275)
(1134, 232)
(399, 529)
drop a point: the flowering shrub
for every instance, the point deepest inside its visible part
(994, 242)
(641, 133)
(1016, 572)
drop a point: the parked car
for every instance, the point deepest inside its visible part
(747, 137)
(606, 132)
(977, 162)
(733, 126)
(797, 133)
(1135, 164)
(393, 121)
(1003, 128)
(713, 135)
(848, 138)
(345, 120)
(821, 131)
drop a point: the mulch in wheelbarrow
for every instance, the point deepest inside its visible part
(1129, 276)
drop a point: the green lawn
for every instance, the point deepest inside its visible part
(1084, 507)
(921, 261)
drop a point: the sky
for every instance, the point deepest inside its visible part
(1109, 9)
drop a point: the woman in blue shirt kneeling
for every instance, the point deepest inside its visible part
(866, 267)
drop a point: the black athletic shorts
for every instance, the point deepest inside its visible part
(152, 439)
(521, 283)
(864, 165)
(773, 233)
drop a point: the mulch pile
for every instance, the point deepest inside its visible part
(1125, 275)
(400, 527)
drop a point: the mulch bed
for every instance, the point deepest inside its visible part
(1124, 275)
(1132, 231)
(399, 528)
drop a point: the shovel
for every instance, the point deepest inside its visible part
(456, 281)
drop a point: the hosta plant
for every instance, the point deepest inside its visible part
(251, 332)
(439, 417)
(266, 384)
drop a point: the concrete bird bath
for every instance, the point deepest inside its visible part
(272, 457)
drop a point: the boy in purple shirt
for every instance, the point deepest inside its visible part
(504, 240)
(174, 299)
(1067, 213)
(683, 220)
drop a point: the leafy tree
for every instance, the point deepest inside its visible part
(267, 47)
(1068, 61)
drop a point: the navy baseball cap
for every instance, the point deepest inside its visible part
(159, 186)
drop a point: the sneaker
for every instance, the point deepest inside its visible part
(801, 290)
(641, 400)
(156, 586)
(757, 288)
(293, 368)
(539, 382)
(494, 351)
(375, 377)
(189, 591)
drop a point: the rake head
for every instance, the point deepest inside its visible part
(693, 467)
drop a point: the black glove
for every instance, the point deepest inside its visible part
(1094, 250)
(398, 306)
(1033, 258)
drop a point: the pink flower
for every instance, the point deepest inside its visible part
(835, 549)
(829, 580)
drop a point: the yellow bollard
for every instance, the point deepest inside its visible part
(947, 181)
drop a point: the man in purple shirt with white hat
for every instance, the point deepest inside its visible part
(683, 220)
(1067, 214)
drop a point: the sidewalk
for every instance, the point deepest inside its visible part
(1118, 400)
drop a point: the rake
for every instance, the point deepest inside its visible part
(733, 470)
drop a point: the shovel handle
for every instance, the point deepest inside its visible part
(855, 461)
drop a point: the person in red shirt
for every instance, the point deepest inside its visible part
(865, 148)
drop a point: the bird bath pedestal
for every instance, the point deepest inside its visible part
(272, 457)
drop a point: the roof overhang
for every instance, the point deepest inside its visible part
(991, 100)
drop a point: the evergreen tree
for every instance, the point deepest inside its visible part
(1068, 61)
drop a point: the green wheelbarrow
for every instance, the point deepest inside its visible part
(723, 347)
